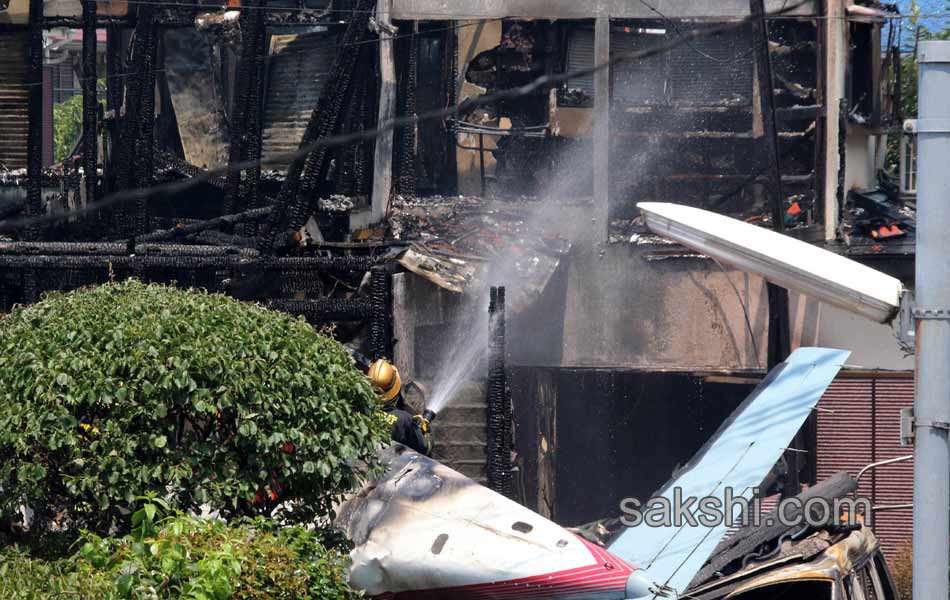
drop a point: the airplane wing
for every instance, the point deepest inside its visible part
(738, 457)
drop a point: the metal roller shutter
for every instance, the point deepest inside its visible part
(859, 423)
(14, 122)
(298, 69)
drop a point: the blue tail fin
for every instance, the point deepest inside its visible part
(738, 457)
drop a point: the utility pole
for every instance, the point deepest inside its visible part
(932, 310)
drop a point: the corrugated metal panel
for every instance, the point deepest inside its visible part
(298, 68)
(893, 484)
(14, 121)
(864, 427)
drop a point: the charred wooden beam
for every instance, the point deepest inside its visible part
(114, 88)
(246, 121)
(135, 156)
(298, 195)
(499, 400)
(193, 228)
(90, 101)
(62, 262)
(325, 309)
(34, 141)
(380, 325)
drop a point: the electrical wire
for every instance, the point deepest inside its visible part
(449, 15)
(673, 25)
(435, 16)
(745, 311)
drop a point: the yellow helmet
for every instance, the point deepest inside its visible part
(385, 378)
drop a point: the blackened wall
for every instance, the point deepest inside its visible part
(616, 434)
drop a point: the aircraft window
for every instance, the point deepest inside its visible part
(522, 527)
(439, 543)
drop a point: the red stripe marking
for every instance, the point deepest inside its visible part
(608, 574)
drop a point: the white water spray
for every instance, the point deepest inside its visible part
(468, 344)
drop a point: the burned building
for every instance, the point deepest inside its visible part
(382, 164)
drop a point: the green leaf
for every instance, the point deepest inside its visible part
(124, 584)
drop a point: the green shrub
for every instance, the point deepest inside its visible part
(113, 392)
(185, 557)
(23, 577)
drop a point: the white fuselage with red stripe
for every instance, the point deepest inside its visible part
(426, 532)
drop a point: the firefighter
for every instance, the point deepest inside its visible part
(409, 430)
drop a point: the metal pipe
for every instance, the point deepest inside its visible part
(890, 507)
(882, 463)
(932, 401)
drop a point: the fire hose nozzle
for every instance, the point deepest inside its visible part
(424, 419)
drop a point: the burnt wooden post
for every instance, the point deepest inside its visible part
(34, 140)
(381, 284)
(499, 400)
(90, 101)
(547, 395)
(114, 88)
(245, 143)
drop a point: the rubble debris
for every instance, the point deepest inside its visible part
(455, 240)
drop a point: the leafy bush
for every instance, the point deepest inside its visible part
(67, 123)
(185, 557)
(112, 392)
(23, 577)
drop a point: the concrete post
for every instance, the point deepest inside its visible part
(932, 402)
(602, 124)
(383, 161)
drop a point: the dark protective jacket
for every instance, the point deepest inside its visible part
(406, 431)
